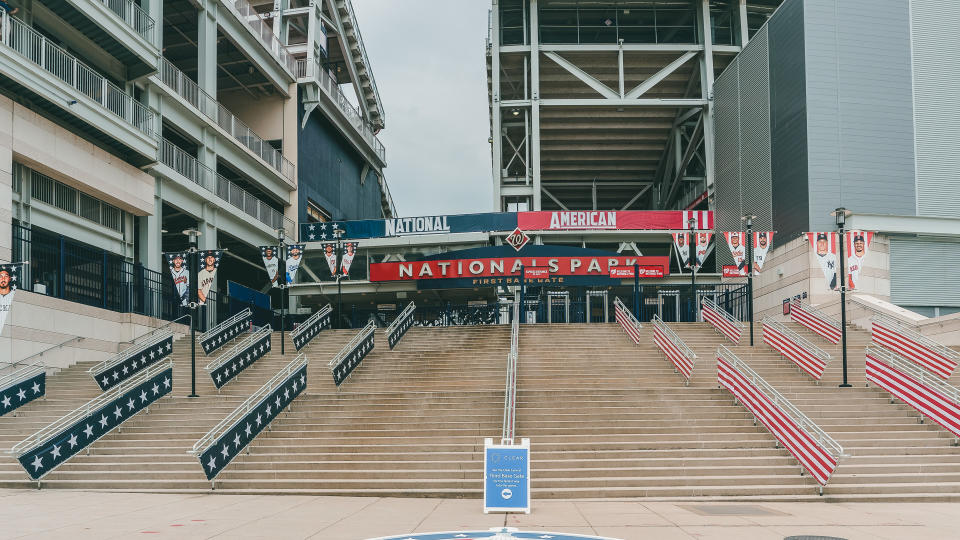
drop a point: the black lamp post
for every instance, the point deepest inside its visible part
(338, 234)
(692, 223)
(841, 215)
(282, 283)
(749, 249)
(193, 302)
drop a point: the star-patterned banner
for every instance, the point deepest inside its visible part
(311, 327)
(24, 391)
(233, 327)
(344, 363)
(245, 353)
(55, 450)
(401, 325)
(132, 361)
(319, 232)
(218, 455)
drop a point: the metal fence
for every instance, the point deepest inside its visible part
(133, 15)
(246, 13)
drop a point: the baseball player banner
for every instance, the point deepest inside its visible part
(681, 242)
(209, 262)
(761, 245)
(330, 254)
(736, 241)
(294, 256)
(702, 243)
(180, 272)
(349, 252)
(271, 261)
(824, 245)
(858, 242)
(9, 277)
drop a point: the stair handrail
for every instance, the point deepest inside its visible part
(84, 410)
(674, 338)
(916, 371)
(312, 319)
(148, 333)
(796, 338)
(356, 339)
(706, 301)
(510, 390)
(817, 312)
(227, 355)
(617, 302)
(232, 320)
(802, 420)
(121, 356)
(916, 336)
(248, 404)
(406, 311)
(38, 354)
(24, 373)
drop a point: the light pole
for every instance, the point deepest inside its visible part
(692, 223)
(338, 234)
(193, 303)
(841, 215)
(282, 282)
(749, 248)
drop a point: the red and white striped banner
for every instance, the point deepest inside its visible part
(804, 359)
(626, 321)
(683, 364)
(703, 219)
(721, 323)
(904, 345)
(814, 457)
(911, 391)
(809, 320)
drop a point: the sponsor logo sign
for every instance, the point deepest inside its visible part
(645, 271)
(416, 225)
(732, 270)
(517, 239)
(536, 272)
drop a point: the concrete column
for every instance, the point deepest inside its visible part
(154, 8)
(706, 87)
(207, 226)
(744, 27)
(207, 48)
(6, 180)
(535, 104)
(151, 239)
(496, 137)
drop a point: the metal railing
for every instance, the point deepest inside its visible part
(190, 168)
(403, 314)
(674, 338)
(328, 83)
(123, 355)
(245, 12)
(229, 354)
(38, 49)
(618, 303)
(926, 378)
(183, 86)
(320, 313)
(24, 361)
(133, 15)
(229, 322)
(22, 374)
(248, 405)
(722, 312)
(87, 408)
(796, 338)
(363, 334)
(818, 313)
(363, 54)
(148, 335)
(802, 421)
(510, 391)
(916, 337)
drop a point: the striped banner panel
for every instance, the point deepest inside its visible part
(626, 322)
(915, 392)
(720, 323)
(806, 360)
(683, 364)
(914, 348)
(810, 321)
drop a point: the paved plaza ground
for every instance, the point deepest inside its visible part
(81, 515)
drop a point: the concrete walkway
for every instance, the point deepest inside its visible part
(79, 515)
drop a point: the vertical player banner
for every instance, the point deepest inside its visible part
(349, 252)
(209, 262)
(703, 243)
(761, 245)
(271, 261)
(181, 275)
(738, 249)
(9, 276)
(330, 254)
(294, 256)
(824, 245)
(681, 242)
(857, 244)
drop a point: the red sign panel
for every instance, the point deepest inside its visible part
(646, 271)
(612, 220)
(730, 270)
(536, 272)
(510, 266)
(517, 239)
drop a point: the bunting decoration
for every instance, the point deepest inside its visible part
(824, 245)
(242, 432)
(180, 272)
(24, 391)
(738, 249)
(55, 450)
(703, 243)
(317, 323)
(233, 327)
(349, 252)
(400, 326)
(242, 356)
(132, 361)
(761, 245)
(330, 254)
(271, 261)
(681, 243)
(294, 256)
(209, 262)
(857, 245)
(9, 280)
(359, 347)
(319, 231)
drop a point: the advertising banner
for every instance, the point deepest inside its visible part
(761, 245)
(181, 276)
(294, 256)
(506, 477)
(824, 245)
(536, 272)
(330, 254)
(858, 243)
(736, 241)
(209, 262)
(9, 277)
(703, 244)
(681, 243)
(349, 252)
(730, 270)
(271, 261)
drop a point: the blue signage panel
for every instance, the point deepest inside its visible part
(506, 477)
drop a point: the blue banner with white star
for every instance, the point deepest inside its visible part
(343, 367)
(55, 450)
(400, 326)
(242, 432)
(210, 343)
(242, 357)
(304, 334)
(133, 361)
(18, 394)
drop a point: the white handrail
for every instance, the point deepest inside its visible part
(674, 338)
(633, 320)
(134, 16)
(406, 311)
(41, 353)
(225, 324)
(366, 59)
(796, 338)
(510, 390)
(363, 334)
(818, 313)
(705, 301)
(22, 374)
(916, 336)
(248, 404)
(322, 312)
(915, 371)
(121, 356)
(228, 355)
(802, 421)
(247, 14)
(84, 410)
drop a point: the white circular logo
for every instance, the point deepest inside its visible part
(506, 494)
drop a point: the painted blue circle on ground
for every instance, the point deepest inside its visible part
(498, 534)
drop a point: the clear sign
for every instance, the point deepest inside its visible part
(506, 477)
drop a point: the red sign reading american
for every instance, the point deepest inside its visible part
(507, 266)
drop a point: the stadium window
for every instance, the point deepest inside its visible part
(316, 213)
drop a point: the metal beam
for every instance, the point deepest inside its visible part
(660, 75)
(642, 102)
(556, 200)
(629, 47)
(496, 113)
(637, 196)
(534, 10)
(587, 79)
(692, 144)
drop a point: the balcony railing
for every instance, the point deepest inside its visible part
(34, 47)
(191, 168)
(177, 81)
(363, 54)
(328, 83)
(133, 15)
(253, 19)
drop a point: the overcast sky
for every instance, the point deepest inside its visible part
(428, 60)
